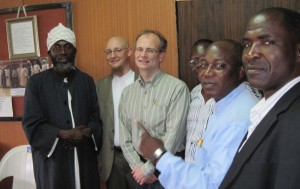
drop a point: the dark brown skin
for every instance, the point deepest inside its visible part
(149, 144)
(270, 56)
(73, 137)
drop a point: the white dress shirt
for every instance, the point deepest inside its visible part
(260, 110)
(118, 84)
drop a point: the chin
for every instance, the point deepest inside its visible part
(142, 66)
(63, 68)
(255, 82)
(114, 66)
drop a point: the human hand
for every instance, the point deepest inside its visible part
(74, 136)
(137, 174)
(86, 131)
(140, 178)
(148, 180)
(148, 143)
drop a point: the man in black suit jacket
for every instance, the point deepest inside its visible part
(270, 155)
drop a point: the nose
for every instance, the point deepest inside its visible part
(209, 71)
(252, 52)
(113, 54)
(144, 53)
(62, 50)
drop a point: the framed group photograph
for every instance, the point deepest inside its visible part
(22, 37)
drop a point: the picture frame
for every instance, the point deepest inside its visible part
(63, 14)
(22, 37)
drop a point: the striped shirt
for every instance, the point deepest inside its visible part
(199, 113)
(161, 106)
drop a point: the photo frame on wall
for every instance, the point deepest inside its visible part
(59, 13)
(22, 37)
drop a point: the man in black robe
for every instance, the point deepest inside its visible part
(61, 119)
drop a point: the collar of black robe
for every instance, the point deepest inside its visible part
(66, 80)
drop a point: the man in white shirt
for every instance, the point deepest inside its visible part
(115, 171)
(200, 108)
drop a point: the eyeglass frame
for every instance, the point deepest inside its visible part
(116, 51)
(194, 61)
(148, 51)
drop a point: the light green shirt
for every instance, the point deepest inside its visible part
(161, 106)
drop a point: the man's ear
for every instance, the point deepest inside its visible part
(75, 51)
(129, 52)
(162, 57)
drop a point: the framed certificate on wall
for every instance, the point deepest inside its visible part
(22, 37)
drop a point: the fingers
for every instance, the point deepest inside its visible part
(140, 178)
(147, 180)
(152, 178)
(87, 132)
(68, 145)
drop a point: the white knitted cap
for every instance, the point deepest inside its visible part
(58, 33)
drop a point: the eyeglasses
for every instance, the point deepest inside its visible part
(218, 66)
(194, 61)
(148, 51)
(116, 51)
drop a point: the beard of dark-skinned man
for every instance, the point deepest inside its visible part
(63, 68)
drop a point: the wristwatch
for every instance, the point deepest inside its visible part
(157, 154)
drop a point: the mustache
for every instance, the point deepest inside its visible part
(252, 62)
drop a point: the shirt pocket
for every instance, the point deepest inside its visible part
(156, 117)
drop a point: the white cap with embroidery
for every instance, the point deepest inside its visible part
(58, 33)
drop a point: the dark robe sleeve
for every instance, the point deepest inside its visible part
(39, 132)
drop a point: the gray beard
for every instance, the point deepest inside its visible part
(63, 68)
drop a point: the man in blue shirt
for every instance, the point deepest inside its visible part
(222, 77)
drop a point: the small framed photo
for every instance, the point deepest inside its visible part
(22, 37)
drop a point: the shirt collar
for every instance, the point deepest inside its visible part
(125, 76)
(153, 80)
(264, 105)
(232, 94)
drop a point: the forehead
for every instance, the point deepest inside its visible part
(116, 42)
(266, 25)
(199, 50)
(148, 40)
(62, 42)
(219, 51)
